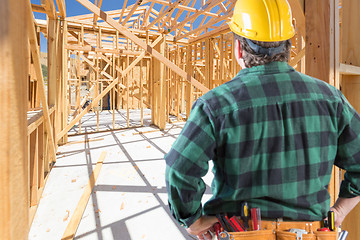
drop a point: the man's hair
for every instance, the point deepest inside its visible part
(251, 58)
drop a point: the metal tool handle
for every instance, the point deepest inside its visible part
(225, 236)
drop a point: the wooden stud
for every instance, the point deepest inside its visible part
(64, 77)
(141, 93)
(52, 63)
(142, 44)
(318, 39)
(34, 167)
(41, 159)
(14, 59)
(209, 61)
(36, 58)
(189, 87)
(80, 208)
(122, 11)
(113, 92)
(221, 70)
(78, 87)
(97, 92)
(350, 84)
(127, 91)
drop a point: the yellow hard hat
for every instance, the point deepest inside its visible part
(263, 20)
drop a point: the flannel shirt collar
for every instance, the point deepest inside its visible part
(269, 68)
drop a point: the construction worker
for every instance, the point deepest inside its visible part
(272, 133)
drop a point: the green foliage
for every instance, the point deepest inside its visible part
(44, 71)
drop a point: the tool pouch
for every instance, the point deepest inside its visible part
(326, 235)
(253, 235)
(285, 235)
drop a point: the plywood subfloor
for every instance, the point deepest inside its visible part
(129, 200)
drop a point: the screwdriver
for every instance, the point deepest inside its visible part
(239, 226)
(217, 228)
(245, 214)
(256, 218)
(331, 220)
(343, 235)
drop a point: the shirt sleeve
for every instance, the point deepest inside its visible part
(187, 163)
(348, 152)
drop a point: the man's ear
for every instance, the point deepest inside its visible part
(238, 52)
(238, 48)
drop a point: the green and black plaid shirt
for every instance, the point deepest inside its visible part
(273, 135)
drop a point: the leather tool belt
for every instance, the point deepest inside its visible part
(279, 230)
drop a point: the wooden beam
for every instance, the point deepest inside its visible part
(36, 120)
(80, 208)
(103, 93)
(51, 62)
(183, 7)
(298, 14)
(123, 10)
(135, 6)
(318, 39)
(195, 15)
(189, 87)
(77, 37)
(146, 18)
(209, 62)
(96, 17)
(207, 25)
(14, 65)
(38, 8)
(297, 58)
(65, 76)
(142, 44)
(179, 13)
(35, 52)
(223, 8)
(61, 7)
(114, 13)
(350, 84)
(219, 30)
(49, 7)
(97, 50)
(347, 69)
(33, 167)
(142, 55)
(159, 95)
(169, 11)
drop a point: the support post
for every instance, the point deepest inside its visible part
(321, 55)
(209, 62)
(350, 84)
(189, 86)
(14, 59)
(320, 41)
(159, 107)
(51, 62)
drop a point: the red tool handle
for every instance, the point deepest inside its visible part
(239, 226)
(217, 228)
(256, 218)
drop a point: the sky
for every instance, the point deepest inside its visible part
(74, 8)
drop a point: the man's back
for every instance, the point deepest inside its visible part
(276, 136)
(272, 133)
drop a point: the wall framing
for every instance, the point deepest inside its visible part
(143, 56)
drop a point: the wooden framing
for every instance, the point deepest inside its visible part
(321, 55)
(14, 166)
(80, 208)
(151, 54)
(35, 53)
(350, 85)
